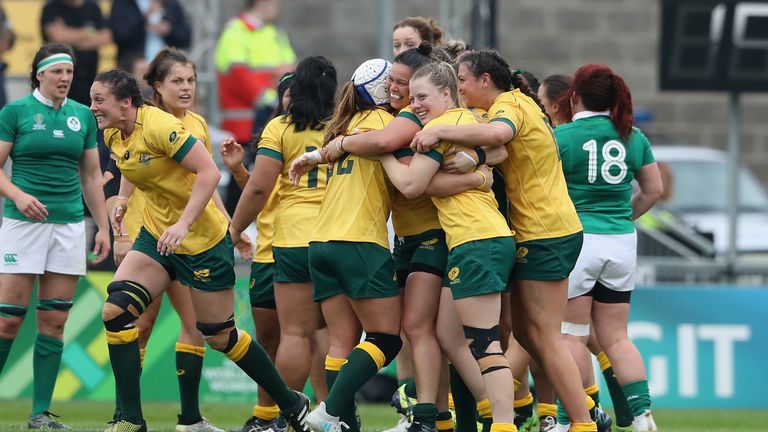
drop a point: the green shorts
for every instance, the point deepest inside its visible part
(261, 290)
(425, 252)
(359, 270)
(480, 267)
(291, 264)
(212, 270)
(547, 259)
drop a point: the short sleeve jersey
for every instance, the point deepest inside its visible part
(539, 205)
(299, 205)
(412, 216)
(471, 215)
(198, 127)
(150, 159)
(356, 205)
(599, 168)
(47, 147)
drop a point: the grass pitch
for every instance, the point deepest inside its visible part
(92, 416)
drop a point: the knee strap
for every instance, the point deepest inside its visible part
(128, 293)
(389, 344)
(9, 310)
(52, 304)
(213, 329)
(481, 339)
(573, 329)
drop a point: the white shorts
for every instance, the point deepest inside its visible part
(36, 248)
(610, 259)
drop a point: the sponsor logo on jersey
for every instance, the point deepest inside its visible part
(73, 123)
(127, 155)
(58, 133)
(173, 137)
(453, 275)
(39, 125)
(144, 159)
(203, 275)
(11, 258)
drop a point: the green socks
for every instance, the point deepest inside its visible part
(410, 387)
(464, 403)
(126, 366)
(332, 368)
(5, 350)
(638, 396)
(361, 365)
(249, 356)
(45, 364)
(621, 408)
(189, 369)
(425, 413)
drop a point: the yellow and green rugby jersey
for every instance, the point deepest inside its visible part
(471, 215)
(150, 159)
(198, 127)
(539, 205)
(299, 205)
(412, 216)
(356, 206)
(265, 229)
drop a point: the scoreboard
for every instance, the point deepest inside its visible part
(712, 45)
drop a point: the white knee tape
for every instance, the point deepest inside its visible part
(574, 329)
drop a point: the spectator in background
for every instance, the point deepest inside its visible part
(80, 24)
(7, 39)
(251, 55)
(144, 27)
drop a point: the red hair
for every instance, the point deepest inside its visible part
(599, 89)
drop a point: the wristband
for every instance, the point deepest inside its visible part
(314, 157)
(480, 155)
(485, 178)
(340, 145)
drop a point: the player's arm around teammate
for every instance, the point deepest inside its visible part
(52, 142)
(183, 237)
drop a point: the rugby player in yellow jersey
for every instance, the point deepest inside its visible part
(284, 139)
(265, 414)
(477, 236)
(547, 228)
(183, 237)
(420, 256)
(173, 79)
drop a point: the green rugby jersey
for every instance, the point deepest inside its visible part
(599, 167)
(46, 152)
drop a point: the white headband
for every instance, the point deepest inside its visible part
(53, 60)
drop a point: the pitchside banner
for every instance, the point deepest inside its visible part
(702, 347)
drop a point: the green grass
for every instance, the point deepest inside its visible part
(92, 416)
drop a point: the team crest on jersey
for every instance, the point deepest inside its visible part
(39, 125)
(173, 137)
(453, 275)
(73, 123)
(144, 159)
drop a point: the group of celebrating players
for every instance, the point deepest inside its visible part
(512, 205)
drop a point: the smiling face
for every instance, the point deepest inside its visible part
(428, 101)
(108, 110)
(471, 87)
(405, 38)
(56, 81)
(178, 89)
(397, 85)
